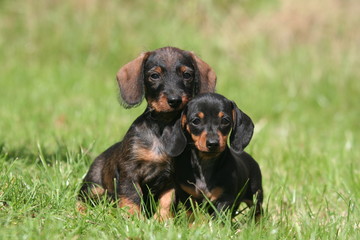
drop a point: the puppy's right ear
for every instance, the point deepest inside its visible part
(174, 138)
(131, 81)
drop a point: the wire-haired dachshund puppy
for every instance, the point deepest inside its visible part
(139, 166)
(206, 169)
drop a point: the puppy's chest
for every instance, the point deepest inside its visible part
(199, 185)
(200, 191)
(147, 146)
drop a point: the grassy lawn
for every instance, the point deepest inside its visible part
(293, 66)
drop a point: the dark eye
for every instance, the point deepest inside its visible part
(225, 121)
(187, 75)
(196, 121)
(155, 76)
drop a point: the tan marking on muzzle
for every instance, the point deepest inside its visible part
(222, 141)
(200, 141)
(161, 104)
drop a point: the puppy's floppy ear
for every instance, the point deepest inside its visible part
(206, 76)
(242, 131)
(174, 138)
(131, 81)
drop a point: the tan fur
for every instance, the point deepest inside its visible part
(222, 141)
(132, 207)
(161, 104)
(152, 154)
(165, 201)
(183, 122)
(215, 193)
(192, 191)
(97, 191)
(212, 195)
(200, 141)
(81, 207)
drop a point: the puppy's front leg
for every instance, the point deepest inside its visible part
(224, 203)
(130, 197)
(166, 200)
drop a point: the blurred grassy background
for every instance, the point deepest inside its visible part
(293, 66)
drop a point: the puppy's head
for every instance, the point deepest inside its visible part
(168, 77)
(207, 122)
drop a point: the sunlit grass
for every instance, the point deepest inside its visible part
(291, 66)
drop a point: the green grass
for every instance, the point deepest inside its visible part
(293, 67)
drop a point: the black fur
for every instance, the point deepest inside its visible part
(139, 164)
(205, 167)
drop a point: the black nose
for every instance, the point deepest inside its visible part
(174, 101)
(212, 144)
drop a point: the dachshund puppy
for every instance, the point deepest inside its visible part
(138, 166)
(205, 168)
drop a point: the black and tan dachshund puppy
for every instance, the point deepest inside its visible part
(206, 169)
(139, 165)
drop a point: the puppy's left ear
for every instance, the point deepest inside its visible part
(174, 138)
(130, 78)
(243, 129)
(206, 76)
